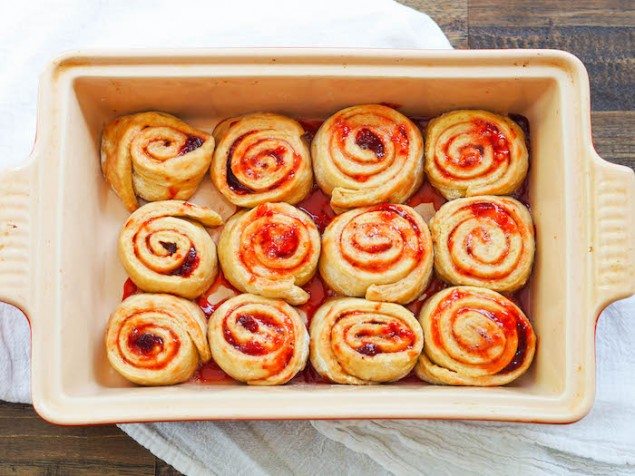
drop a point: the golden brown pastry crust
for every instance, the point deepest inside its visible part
(355, 341)
(164, 248)
(365, 155)
(258, 340)
(484, 241)
(383, 252)
(270, 250)
(261, 157)
(473, 152)
(156, 339)
(155, 156)
(474, 336)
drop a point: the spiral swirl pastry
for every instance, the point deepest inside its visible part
(261, 158)
(270, 250)
(164, 253)
(474, 336)
(258, 340)
(355, 341)
(472, 153)
(484, 241)
(154, 156)
(365, 155)
(156, 339)
(383, 252)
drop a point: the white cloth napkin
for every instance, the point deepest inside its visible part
(33, 33)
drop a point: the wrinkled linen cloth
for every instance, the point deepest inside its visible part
(31, 34)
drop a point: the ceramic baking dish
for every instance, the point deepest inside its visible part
(59, 221)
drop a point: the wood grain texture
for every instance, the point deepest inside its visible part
(537, 13)
(599, 32)
(29, 445)
(613, 136)
(582, 28)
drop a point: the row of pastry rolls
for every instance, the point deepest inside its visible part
(253, 159)
(270, 250)
(384, 252)
(161, 339)
(361, 156)
(464, 336)
(368, 154)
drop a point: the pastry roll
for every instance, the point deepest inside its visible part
(355, 341)
(484, 241)
(258, 340)
(261, 158)
(474, 336)
(155, 156)
(164, 248)
(270, 250)
(475, 153)
(383, 252)
(156, 339)
(365, 155)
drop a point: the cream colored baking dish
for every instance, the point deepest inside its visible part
(59, 221)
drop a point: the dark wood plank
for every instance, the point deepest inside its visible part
(578, 27)
(29, 445)
(538, 13)
(450, 16)
(611, 73)
(613, 136)
(600, 33)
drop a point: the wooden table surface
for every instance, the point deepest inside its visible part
(600, 33)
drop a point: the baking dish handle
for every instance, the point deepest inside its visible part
(16, 212)
(613, 234)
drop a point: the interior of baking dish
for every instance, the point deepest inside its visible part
(75, 383)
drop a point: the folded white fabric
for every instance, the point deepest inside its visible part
(33, 33)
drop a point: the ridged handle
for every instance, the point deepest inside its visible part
(613, 247)
(16, 212)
